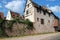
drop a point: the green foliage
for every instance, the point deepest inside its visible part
(29, 23)
(10, 24)
(1, 20)
(1, 31)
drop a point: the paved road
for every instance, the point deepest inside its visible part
(54, 36)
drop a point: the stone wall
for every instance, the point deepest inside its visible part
(48, 25)
(17, 29)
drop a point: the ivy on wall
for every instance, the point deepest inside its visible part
(27, 22)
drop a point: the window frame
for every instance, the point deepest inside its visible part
(42, 21)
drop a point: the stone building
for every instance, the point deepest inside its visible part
(12, 15)
(2, 15)
(42, 17)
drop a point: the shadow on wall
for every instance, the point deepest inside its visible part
(57, 29)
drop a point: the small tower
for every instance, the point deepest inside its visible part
(29, 11)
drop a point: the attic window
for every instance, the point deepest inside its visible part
(38, 10)
(44, 12)
(28, 5)
(13, 15)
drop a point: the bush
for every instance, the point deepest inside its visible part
(29, 23)
(1, 31)
(1, 20)
(10, 24)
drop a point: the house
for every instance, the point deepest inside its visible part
(12, 15)
(2, 15)
(42, 17)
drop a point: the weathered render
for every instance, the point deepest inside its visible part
(42, 18)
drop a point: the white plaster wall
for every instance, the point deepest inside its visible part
(30, 9)
(9, 17)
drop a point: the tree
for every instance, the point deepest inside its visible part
(1, 20)
(1, 31)
(30, 24)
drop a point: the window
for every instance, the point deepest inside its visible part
(49, 14)
(48, 21)
(13, 16)
(37, 19)
(26, 12)
(44, 12)
(42, 21)
(38, 10)
(28, 5)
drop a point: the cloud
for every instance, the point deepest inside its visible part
(16, 5)
(55, 8)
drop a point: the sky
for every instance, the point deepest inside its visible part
(19, 5)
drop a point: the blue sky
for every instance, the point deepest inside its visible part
(19, 5)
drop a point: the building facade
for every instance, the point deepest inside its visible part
(42, 18)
